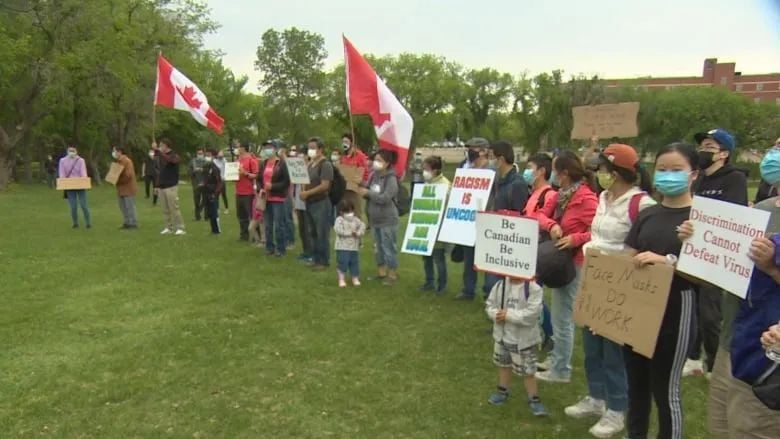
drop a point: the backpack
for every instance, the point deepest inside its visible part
(337, 187)
(403, 201)
(633, 206)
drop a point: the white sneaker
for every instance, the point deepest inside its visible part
(544, 365)
(551, 377)
(609, 424)
(166, 231)
(586, 407)
(693, 368)
(180, 232)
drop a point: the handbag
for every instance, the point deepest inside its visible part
(767, 387)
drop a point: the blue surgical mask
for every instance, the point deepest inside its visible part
(671, 183)
(770, 167)
(267, 153)
(528, 176)
(554, 179)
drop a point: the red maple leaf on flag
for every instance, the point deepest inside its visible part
(190, 97)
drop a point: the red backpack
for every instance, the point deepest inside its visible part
(633, 206)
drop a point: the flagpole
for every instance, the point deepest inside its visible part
(154, 99)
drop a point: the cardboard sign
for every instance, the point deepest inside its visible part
(74, 183)
(231, 171)
(506, 245)
(299, 172)
(605, 121)
(114, 172)
(621, 302)
(470, 192)
(424, 218)
(717, 251)
(352, 175)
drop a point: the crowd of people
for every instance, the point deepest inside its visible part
(604, 200)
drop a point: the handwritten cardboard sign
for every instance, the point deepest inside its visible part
(299, 173)
(114, 172)
(621, 302)
(425, 218)
(470, 192)
(717, 251)
(352, 175)
(605, 121)
(506, 245)
(231, 171)
(74, 183)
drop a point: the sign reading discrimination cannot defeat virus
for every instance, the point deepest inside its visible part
(424, 219)
(470, 192)
(506, 245)
(717, 251)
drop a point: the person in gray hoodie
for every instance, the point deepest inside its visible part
(383, 214)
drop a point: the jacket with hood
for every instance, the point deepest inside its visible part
(523, 302)
(726, 184)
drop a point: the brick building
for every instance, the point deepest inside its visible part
(760, 87)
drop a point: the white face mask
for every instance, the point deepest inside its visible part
(151, 155)
(71, 153)
(312, 153)
(349, 215)
(334, 158)
(427, 175)
(292, 154)
(378, 166)
(115, 155)
(209, 159)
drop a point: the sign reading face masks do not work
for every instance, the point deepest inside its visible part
(506, 245)
(621, 302)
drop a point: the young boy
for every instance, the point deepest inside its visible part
(515, 305)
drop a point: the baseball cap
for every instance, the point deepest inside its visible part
(620, 155)
(479, 142)
(723, 137)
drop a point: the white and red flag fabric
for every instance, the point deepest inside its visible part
(174, 90)
(368, 94)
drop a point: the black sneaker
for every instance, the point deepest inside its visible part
(426, 288)
(463, 296)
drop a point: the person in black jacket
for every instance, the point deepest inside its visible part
(274, 179)
(718, 180)
(212, 188)
(149, 172)
(167, 188)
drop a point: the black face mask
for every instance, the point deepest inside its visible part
(705, 159)
(473, 155)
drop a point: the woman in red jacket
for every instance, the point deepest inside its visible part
(570, 228)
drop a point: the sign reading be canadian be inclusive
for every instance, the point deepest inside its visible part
(506, 245)
(717, 251)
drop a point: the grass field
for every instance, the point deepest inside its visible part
(110, 334)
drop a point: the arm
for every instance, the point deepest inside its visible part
(550, 201)
(341, 227)
(283, 182)
(529, 315)
(81, 168)
(492, 305)
(736, 190)
(519, 195)
(326, 173)
(170, 158)
(218, 177)
(585, 218)
(361, 228)
(385, 196)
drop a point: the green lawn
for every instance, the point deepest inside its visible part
(109, 334)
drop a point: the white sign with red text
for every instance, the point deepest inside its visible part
(469, 194)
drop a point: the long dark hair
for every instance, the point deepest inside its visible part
(571, 163)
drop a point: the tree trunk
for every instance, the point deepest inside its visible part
(6, 165)
(28, 172)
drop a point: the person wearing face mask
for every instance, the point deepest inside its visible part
(381, 194)
(416, 170)
(733, 410)
(126, 189)
(219, 161)
(167, 187)
(212, 187)
(431, 173)
(653, 239)
(625, 195)
(289, 224)
(569, 227)
(721, 181)
(196, 176)
(353, 156)
(475, 149)
(276, 184)
(319, 210)
(51, 172)
(72, 166)
(335, 157)
(149, 171)
(543, 197)
(766, 190)
(245, 189)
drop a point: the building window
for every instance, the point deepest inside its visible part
(759, 87)
(739, 88)
(723, 80)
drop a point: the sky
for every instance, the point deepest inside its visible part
(611, 38)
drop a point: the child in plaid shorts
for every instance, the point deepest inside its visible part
(514, 306)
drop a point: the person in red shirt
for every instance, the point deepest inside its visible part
(543, 197)
(245, 188)
(353, 156)
(275, 181)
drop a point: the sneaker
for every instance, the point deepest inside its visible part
(537, 408)
(426, 288)
(693, 368)
(442, 290)
(226, 212)
(463, 296)
(551, 377)
(389, 281)
(75, 226)
(586, 407)
(356, 281)
(278, 255)
(342, 283)
(544, 365)
(166, 231)
(89, 226)
(609, 425)
(180, 232)
(498, 397)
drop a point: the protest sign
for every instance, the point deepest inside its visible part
(717, 251)
(231, 171)
(73, 183)
(114, 172)
(506, 245)
(424, 218)
(352, 175)
(605, 121)
(470, 192)
(621, 302)
(299, 173)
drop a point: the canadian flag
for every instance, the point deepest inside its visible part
(368, 94)
(174, 90)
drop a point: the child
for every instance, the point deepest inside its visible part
(515, 309)
(256, 225)
(349, 229)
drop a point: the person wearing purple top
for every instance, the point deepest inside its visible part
(74, 166)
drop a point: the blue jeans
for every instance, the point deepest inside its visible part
(289, 224)
(319, 221)
(212, 212)
(349, 262)
(80, 197)
(386, 250)
(605, 371)
(275, 226)
(470, 275)
(563, 327)
(438, 257)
